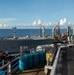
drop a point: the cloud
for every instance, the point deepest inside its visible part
(49, 23)
(0, 25)
(5, 20)
(63, 21)
(39, 22)
(34, 23)
(46, 24)
(69, 23)
(4, 25)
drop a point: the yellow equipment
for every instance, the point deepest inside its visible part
(48, 55)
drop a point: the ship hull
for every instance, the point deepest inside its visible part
(14, 45)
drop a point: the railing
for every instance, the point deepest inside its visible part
(55, 66)
(11, 66)
(3, 63)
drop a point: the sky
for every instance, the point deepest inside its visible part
(30, 12)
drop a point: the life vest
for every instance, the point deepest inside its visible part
(2, 53)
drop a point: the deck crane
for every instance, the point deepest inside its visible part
(57, 29)
(14, 32)
(42, 31)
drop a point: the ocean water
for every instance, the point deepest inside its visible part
(24, 32)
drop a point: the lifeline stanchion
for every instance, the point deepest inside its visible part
(9, 67)
(21, 48)
(3, 62)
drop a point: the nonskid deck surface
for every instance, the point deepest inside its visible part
(68, 62)
(37, 70)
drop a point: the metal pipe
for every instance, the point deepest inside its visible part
(53, 33)
(57, 28)
(14, 32)
(42, 33)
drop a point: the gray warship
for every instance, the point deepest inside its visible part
(12, 44)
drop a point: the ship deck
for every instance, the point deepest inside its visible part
(68, 61)
(37, 70)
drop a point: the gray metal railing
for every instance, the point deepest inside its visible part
(54, 67)
(13, 67)
(55, 64)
